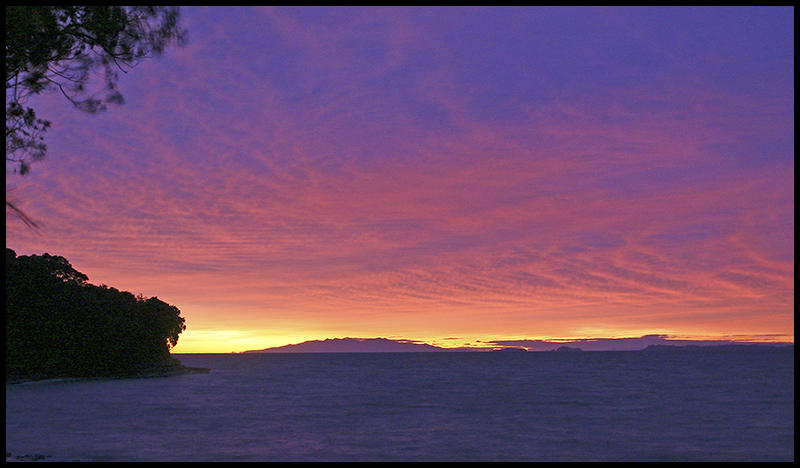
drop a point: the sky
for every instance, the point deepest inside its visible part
(450, 175)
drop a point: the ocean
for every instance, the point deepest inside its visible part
(687, 405)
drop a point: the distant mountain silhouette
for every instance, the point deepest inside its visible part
(622, 344)
(353, 345)
(730, 347)
(385, 345)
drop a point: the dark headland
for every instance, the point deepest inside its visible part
(58, 325)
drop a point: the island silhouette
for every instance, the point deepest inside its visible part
(353, 345)
(386, 345)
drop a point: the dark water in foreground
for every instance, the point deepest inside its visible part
(707, 405)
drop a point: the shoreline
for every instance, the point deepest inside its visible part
(148, 373)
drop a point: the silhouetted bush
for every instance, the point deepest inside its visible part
(59, 325)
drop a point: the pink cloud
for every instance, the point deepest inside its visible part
(232, 189)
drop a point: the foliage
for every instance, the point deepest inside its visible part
(62, 48)
(59, 325)
(57, 47)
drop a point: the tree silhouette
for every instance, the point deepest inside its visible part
(61, 48)
(60, 325)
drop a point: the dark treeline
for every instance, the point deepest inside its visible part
(59, 325)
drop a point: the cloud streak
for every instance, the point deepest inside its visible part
(362, 171)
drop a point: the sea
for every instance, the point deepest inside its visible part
(683, 405)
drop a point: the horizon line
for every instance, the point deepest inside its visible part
(530, 344)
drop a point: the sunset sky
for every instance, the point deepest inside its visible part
(445, 175)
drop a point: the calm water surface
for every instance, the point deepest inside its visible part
(708, 405)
